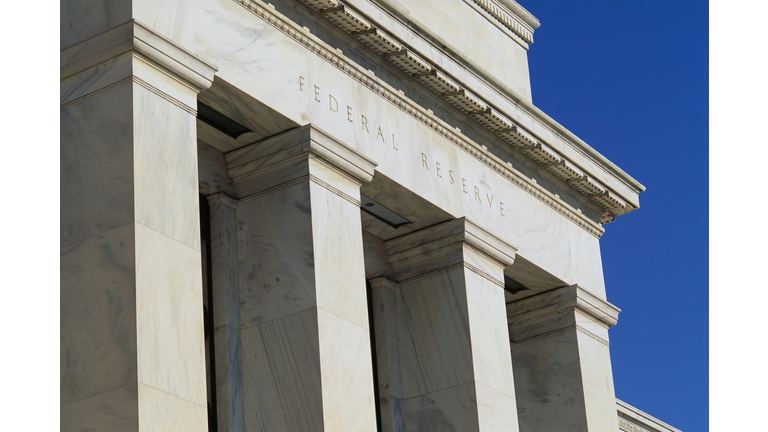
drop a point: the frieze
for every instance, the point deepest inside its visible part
(628, 426)
(364, 77)
(467, 99)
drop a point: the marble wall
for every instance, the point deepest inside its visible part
(292, 325)
(307, 87)
(131, 295)
(303, 308)
(441, 333)
(563, 377)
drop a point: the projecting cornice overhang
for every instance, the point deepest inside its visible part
(512, 16)
(511, 120)
(135, 37)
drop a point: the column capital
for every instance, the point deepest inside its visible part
(383, 282)
(285, 156)
(443, 245)
(560, 309)
(220, 198)
(137, 38)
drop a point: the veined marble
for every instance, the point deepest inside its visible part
(230, 170)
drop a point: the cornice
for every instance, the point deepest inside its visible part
(135, 37)
(521, 12)
(509, 19)
(554, 302)
(494, 88)
(444, 247)
(613, 208)
(632, 419)
(515, 135)
(222, 199)
(453, 232)
(301, 142)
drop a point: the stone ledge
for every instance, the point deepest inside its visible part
(632, 419)
(519, 21)
(560, 300)
(450, 245)
(472, 105)
(311, 42)
(133, 36)
(301, 142)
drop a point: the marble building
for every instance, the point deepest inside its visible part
(327, 215)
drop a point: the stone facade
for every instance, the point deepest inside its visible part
(327, 215)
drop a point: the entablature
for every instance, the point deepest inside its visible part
(512, 121)
(632, 419)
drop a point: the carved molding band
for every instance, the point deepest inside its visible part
(364, 77)
(506, 17)
(628, 426)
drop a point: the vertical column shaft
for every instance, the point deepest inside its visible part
(225, 281)
(456, 367)
(563, 375)
(390, 380)
(131, 294)
(304, 316)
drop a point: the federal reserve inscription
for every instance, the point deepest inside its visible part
(436, 169)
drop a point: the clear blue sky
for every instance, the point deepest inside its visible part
(631, 79)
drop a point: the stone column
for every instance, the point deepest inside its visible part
(225, 280)
(131, 294)
(390, 380)
(455, 361)
(303, 306)
(563, 376)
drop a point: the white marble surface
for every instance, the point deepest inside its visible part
(82, 20)
(130, 235)
(628, 413)
(346, 375)
(561, 360)
(160, 411)
(165, 163)
(548, 388)
(510, 100)
(170, 316)
(229, 378)
(303, 303)
(452, 344)
(390, 380)
(330, 159)
(135, 39)
(309, 371)
(308, 238)
(479, 42)
(212, 169)
(245, 50)
(91, 207)
(374, 252)
(338, 256)
(558, 309)
(226, 312)
(597, 376)
(98, 315)
(112, 410)
(225, 278)
(496, 411)
(450, 409)
(234, 103)
(491, 358)
(282, 281)
(434, 334)
(282, 384)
